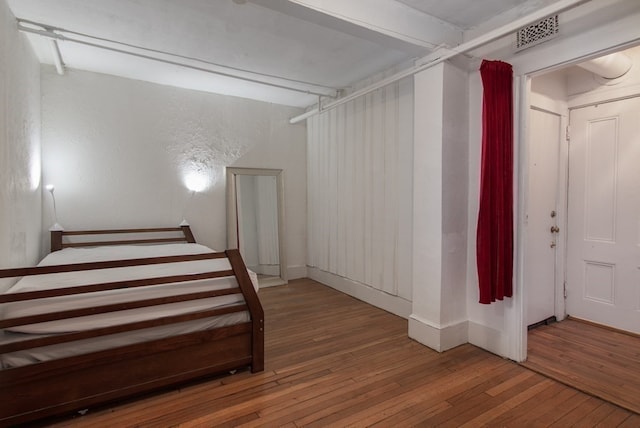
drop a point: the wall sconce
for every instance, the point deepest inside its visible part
(196, 181)
(56, 226)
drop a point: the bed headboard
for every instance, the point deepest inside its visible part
(135, 236)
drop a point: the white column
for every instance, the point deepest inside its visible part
(438, 317)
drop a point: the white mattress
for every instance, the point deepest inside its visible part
(68, 279)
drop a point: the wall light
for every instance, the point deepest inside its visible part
(51, 188)
(196, 181)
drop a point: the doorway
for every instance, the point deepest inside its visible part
(583, 244)
(584, 247)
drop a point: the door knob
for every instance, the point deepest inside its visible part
(555, 229)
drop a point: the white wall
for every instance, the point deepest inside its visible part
(590, 29)
(360, 197)
(20, 166)
(118, 151)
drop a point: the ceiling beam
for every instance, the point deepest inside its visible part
(391, 18)
(385, 22)
(442, 55)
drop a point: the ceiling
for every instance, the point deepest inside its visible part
(303, 49)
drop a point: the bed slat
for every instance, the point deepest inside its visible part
(57, 236)
(75, 313)
(68, 291)
(39, 270)
(128, 242)
(119, 231)
(120, 328)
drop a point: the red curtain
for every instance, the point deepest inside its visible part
(495, 218)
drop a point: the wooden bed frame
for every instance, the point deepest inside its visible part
(73, 383)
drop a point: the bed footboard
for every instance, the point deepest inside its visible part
(53, 387)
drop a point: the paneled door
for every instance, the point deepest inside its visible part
(603, 248)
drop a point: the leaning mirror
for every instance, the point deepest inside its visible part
(255, 221)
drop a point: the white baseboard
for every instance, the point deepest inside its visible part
(394, 304)
(487, 338)
(438, 338)
(296, 272)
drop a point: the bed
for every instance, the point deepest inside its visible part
(104, 318)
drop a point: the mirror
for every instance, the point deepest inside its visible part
(255, 221)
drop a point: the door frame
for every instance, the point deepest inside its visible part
(514, 313)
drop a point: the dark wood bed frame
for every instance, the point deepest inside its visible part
(73, 383)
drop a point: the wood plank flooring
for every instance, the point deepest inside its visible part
(332, 360)
(594, 359)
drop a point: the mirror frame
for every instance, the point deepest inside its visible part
(232, 214)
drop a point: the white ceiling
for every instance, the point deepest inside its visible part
(315, 46)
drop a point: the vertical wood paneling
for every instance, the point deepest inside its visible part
(342, 215)
(367, 186)
(390, 274)
(404, 119)
(332, 182)
(325, 202)
(377, 179)
(360, 167)
(357, 221)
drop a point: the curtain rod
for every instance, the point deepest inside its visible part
(444, 54)
(48, 32)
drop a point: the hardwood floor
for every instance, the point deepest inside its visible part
(332, 360)
(594, 359)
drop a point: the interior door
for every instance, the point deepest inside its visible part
(603, 248)
(542, 209)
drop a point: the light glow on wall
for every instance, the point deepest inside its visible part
(35, 170)
(197, 181)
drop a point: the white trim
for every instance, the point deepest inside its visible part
(296, 272)
(514, 309)
(438, 338)
(487, 338)
(590, 99)
(394, 304)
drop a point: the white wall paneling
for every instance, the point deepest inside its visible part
(360, 195)
(20, 150)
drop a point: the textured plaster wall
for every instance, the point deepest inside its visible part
(20, 171)
(119, 150)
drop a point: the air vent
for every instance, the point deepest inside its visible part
(537, 33)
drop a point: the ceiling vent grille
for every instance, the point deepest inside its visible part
(537, 33)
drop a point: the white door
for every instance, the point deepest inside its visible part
(542, 214)
(603, 248)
